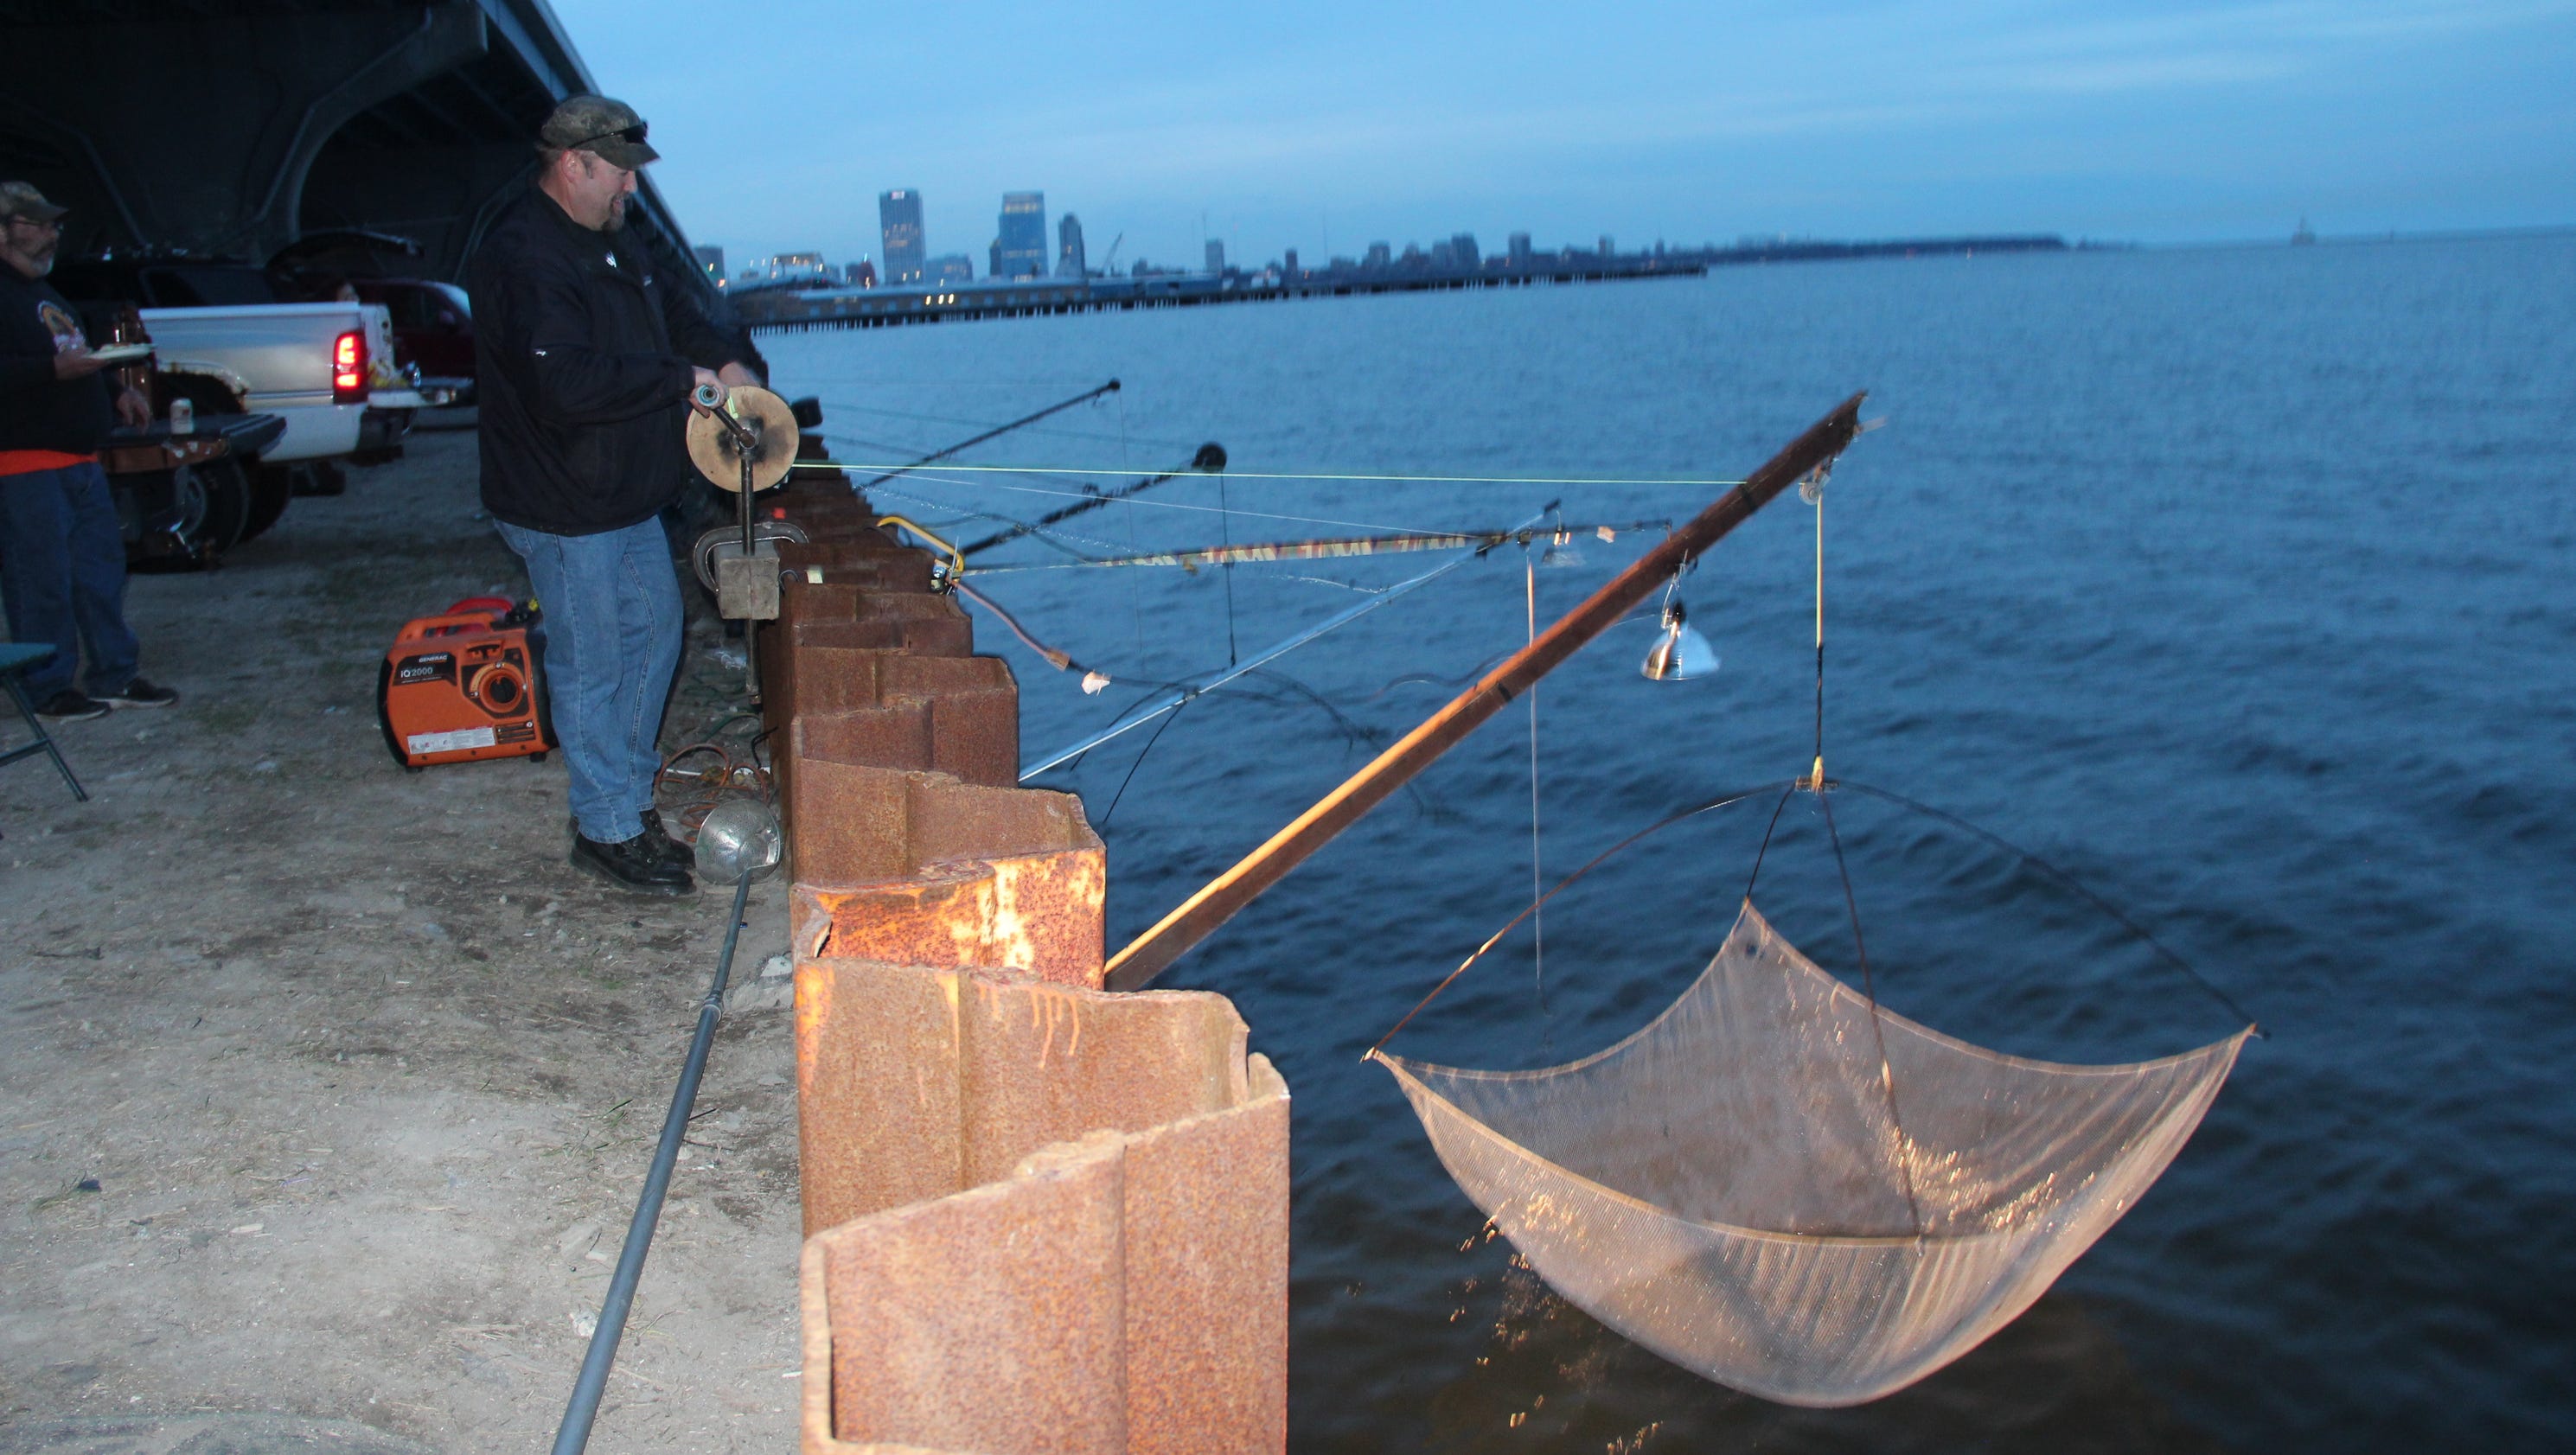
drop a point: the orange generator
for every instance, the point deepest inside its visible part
(463, 685)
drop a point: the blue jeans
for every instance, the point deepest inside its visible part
(62, 578)
(611, 612)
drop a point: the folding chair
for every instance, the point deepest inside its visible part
(15, 657)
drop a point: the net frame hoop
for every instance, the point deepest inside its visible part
(1788, 787)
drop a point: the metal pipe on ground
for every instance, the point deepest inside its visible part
(574, 1433)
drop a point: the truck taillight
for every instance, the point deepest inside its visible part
(349, 368)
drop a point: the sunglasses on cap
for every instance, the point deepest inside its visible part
(631, 135)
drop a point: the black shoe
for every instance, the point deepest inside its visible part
(632, 865)
(70, 706)
(673, 852)
(139, 693)
(666, 849)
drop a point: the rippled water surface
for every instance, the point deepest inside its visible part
(2234, 582)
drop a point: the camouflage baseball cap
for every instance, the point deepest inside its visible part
(606, 128)
(21, 199)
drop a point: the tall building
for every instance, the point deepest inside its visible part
(1288, 266)
(1379, 255)
(1462, 247)
(1520, 250)
(899, 221)
(1607, 251)
(712, 260)
(862, 273)
(1021, 250)
(949, 268)
(1216, 255)
(1069, 259)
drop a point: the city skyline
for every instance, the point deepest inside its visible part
(2228, 120)
(1015, 252)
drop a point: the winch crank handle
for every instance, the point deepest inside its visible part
(713, 398)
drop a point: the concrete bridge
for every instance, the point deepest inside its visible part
(231, 127)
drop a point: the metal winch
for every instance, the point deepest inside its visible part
(744, 440)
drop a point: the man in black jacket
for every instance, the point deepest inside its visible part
(62, 558)
(586, 359)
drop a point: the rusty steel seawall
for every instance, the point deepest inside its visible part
(1040, 1216)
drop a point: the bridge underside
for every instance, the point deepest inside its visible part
(231, 127)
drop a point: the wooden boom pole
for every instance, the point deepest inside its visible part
(1153, 951)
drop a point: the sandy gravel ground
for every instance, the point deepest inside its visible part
(326, 1088)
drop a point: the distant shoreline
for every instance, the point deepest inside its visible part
(2349, 239)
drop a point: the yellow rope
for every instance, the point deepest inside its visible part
(956, 558)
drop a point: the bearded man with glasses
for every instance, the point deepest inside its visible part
(586, 357)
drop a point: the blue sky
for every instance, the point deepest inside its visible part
(1329, 125)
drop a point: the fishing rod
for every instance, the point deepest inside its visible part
(1153, 952)
(936, 456)
(1209, 460)
(1168, 701)
(1312, 550)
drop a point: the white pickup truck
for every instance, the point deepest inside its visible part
(325, 368)
(223, 342)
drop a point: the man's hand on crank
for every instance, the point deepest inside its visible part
(731, 376)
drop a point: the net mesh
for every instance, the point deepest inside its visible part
(1728, 1188)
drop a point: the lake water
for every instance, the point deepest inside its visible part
(2232, 581)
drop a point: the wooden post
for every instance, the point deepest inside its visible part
(1153, 951)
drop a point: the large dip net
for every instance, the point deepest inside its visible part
(1788, 1189)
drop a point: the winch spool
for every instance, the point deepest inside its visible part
(745, 421)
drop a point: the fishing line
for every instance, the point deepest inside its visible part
(1304, 475)
(1047, 429)
(1354, 736)
(1869, 993)
(941, 479)
(1160, 729)
(1538, 925)
(886, 445)
(1225, 537)
(1563, 885)
(1052, 539)
(1426, 679)
(889, 472)
(1130, 721)
(1135, 589)
(1329, 581)
(838, 436)
(2063, 877)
